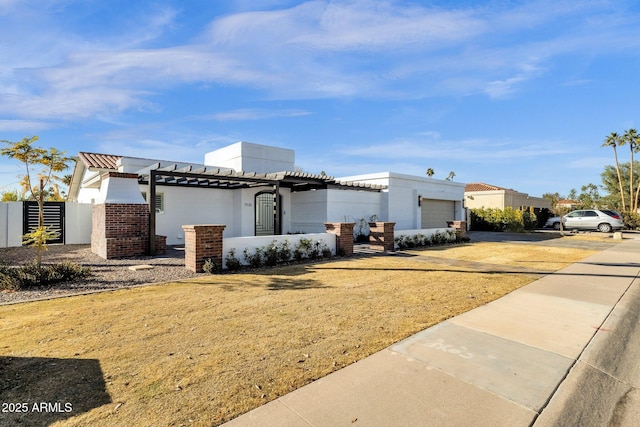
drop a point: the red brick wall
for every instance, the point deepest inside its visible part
(381, 236)
(122, 230)
(202, 242)
(344, 236)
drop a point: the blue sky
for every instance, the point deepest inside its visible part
(519, 94)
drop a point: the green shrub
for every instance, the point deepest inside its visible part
(420, 240)
(254, 259)
(303, 249)
(530, 220)
(509, 219)
(284, 251)
(631, 220)
(31, 275)
(232, 262)
(67, 270)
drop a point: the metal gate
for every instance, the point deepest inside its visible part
(53, 216)
(265, 214)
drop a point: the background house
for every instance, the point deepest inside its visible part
(481, 195)
(255, 190)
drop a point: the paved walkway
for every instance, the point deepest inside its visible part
(562, 351)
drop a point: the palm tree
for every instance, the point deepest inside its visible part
(430, 172)
(632, 138)
(452, 174)
(613, 140)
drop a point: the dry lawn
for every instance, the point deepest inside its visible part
(205, 351)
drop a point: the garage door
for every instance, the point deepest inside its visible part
(436, 213)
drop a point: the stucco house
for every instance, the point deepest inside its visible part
(255, 190)
(481, 195)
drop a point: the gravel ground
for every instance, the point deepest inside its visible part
(106, 274)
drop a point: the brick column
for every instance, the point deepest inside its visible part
(460, 227)
(344, 236)
(381, 236)
(200, 243)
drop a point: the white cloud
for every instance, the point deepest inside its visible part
(256, 114)
(23, 125)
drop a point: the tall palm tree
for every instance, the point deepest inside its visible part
(430, 172)
(632, 138)
(613, 140)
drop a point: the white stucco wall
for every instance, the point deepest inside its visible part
(233, 208)
(311, 209)
(77, 225)
(308, 211)
(184, 205)
(250, 157)
(401, 205)
(350, 206)
(10, 224)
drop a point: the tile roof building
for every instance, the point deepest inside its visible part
(481, 195)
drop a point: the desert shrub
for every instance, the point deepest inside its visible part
(254, 259)
(31, 275)
(232, 262)
(319, 249)
(8, 279)
(67, 270)
(284, 251)
(303, 249)
(210, 266)
(270, 254)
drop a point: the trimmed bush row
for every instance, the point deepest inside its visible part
(272, 254)
(421, 240)
(509, 219)
(30, 275)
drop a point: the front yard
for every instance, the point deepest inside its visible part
(203, 351)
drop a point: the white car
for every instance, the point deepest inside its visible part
(604, 220)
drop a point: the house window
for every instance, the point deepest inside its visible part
(159, 201)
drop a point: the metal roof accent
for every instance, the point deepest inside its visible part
(213, 177)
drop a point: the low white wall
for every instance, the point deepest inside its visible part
(10, 224)
(252, 243)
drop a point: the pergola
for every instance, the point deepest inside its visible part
(227, 179)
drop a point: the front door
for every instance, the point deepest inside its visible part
(265, 217)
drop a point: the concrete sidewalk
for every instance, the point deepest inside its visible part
(564, 350)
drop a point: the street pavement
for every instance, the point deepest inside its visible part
(561, 351)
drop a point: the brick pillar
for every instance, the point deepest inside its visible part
(202, 242)
(344, 236)
(381, 236)
(460, 227)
